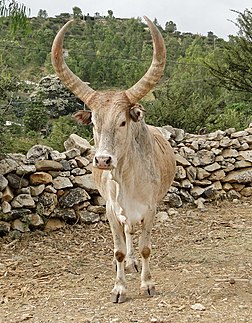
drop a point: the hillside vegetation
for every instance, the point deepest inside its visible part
(207, 83)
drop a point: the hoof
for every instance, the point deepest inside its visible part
(118, 294)
(148, 291)
(131, 266)
(118, 298)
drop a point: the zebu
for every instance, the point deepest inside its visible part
(134, 164)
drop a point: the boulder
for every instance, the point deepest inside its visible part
(40, 178)
(7, 166)
(87, 182)
(239, 176)
(4, 228)
(73, 196)
(45, 165)
(61, 182)
(38, 152)
(16, 181)
(88, 217)
(54, 224)
(3, 183)
(25, 169)
(23, 200)
(20, 226)
(75, 141)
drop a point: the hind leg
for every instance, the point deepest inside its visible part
(131, 262)
(147, 285)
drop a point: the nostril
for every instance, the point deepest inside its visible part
(103, 161)
(108, 161)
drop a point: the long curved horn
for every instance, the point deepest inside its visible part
(72, 81)
(155, 71)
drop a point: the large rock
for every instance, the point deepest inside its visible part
(88, 217)
(73, 196)
(7, 194)
(72, 153)
(239, 134)
(180, 173)
(202, 173)
(217, 175)
(7, 166)
(75, 141)
(173, 200)
(38, 152)
(61, 182)
(68, 215)
(191, 173)
(40, 178)
(56, 155)
(4, 228)
(20, 226)
(47, 203)
(37, 190)
(247, 191)
(229, 153)
(197, 191)
(82, 161)
(14, 214)
(213, 167)
(54, 224)
(6, 207)
(203, 157)
(239, 176)
(45, 165)
(3, 183)
(246, 155)
(87, 182)
(16, 181)
(36, 222)
(180, 160)
(23, 169)
(23, 200)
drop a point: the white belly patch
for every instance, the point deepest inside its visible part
(125, 207)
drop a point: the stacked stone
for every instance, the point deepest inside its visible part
(210, 166)
(46, 188)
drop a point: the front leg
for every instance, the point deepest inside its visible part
(118, 293)
(147, 285)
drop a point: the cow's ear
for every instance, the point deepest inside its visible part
(83, 116)
(137, 112)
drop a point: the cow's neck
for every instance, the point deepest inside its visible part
(137, 153)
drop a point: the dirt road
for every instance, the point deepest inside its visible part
(201, 263)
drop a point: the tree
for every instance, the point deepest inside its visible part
(77, 13)
(16, 13)
(170, 27)
(233, 65)
(36, 118)
(110, 13)
(187, 99)
(62, 128)
(42, 14)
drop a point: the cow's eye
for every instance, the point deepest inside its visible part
(123, 124)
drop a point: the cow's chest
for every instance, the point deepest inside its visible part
(129, 204)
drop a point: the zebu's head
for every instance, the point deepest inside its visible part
(112, 113)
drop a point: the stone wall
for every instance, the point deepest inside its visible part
(212, 166)
(46, 188)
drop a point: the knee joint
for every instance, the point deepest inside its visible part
(145, 252)
(119, 256)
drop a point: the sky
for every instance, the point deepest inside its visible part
(195, 16)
